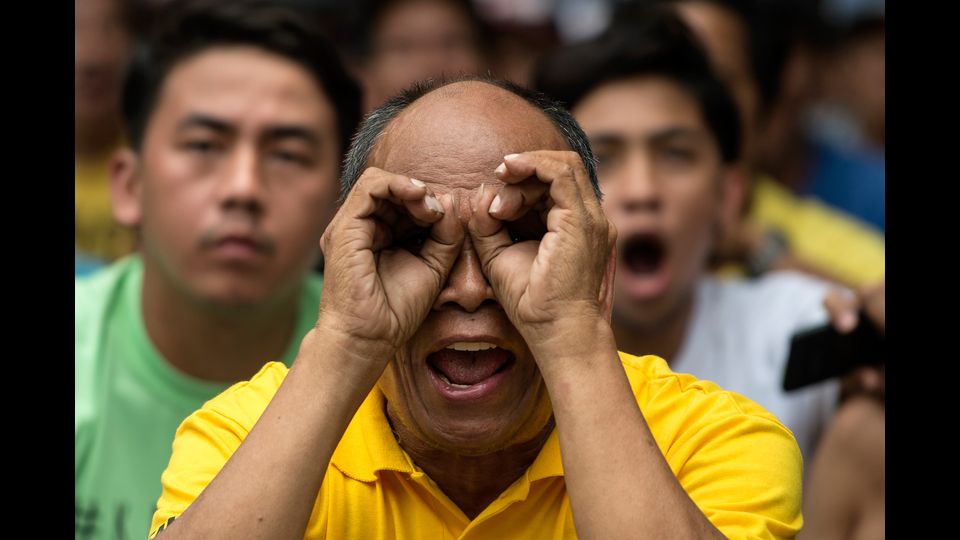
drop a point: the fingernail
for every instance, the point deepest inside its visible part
(433, 204)
(511, 156)
(478, 198)
(417, 183)
(501, 169)
(495, 205)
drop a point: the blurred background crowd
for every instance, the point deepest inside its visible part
(814, 88)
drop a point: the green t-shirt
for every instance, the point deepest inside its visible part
(129, 401)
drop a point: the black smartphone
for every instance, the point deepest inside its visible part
(822, 353)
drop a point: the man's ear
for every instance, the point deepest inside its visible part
(733, 196)
(125, 186)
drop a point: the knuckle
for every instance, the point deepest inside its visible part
(364, 178)
(369, 175)
(371, 171)
(573, 160)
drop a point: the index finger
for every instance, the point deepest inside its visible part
(570, 185)
(377, 186)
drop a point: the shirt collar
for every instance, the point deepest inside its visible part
(369, 446)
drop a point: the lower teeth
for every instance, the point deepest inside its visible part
(453, 384)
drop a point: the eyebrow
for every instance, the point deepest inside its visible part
(293, 132)
(676, 133)
(205, 121)
(607, 139)
(657, 137)
(280, 131)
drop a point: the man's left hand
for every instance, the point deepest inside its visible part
(550, 287)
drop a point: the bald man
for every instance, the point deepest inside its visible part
(462, 379)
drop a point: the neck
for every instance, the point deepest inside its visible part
(663, 337)
(94, 139)
(214, 343)
(472, 482)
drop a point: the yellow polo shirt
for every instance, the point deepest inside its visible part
(739, 464)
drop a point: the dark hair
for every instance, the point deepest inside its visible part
(654, 43)
(373, 125)
(196, 25)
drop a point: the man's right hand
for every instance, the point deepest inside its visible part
(844, 309)
(378, 288)
(387, 253)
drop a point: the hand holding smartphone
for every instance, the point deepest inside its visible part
(822, 353)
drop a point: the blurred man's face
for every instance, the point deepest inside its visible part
(663, 182)
(237, 176)
(417, 40)
(102, 46)
(724, 36)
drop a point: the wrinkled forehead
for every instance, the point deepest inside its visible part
(454, 137)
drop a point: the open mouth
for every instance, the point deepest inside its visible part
(643, 254)
(465, 364)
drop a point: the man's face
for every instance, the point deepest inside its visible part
(660, 171)
(417, 40)
(237, 176)
(466, 383)
(724, 36)
(101, 46)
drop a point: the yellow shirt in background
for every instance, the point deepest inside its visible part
(844, 247)
(97, 233)
(737, 462)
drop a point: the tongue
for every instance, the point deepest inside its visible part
(465, 367)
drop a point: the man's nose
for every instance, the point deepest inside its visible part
(466, 287)
(637, 186)
(242, 186)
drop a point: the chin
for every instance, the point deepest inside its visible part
(479, 436)
(234, 294)
(645, 315)
(260, 287)
(472, 439)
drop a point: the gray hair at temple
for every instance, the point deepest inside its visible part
(365, 140)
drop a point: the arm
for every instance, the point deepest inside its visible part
(268, 487)
(558, 294)
(845, 489)
(619, 482)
